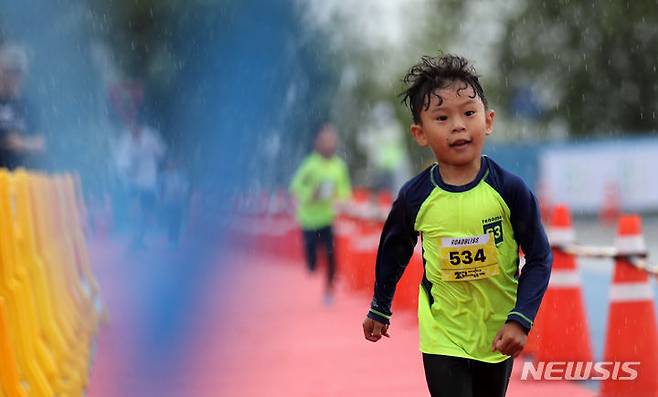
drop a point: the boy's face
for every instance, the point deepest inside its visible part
(326, 142)
(455, 129)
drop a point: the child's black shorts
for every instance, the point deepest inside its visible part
(462, 377)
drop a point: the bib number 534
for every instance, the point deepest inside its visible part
(466, 257)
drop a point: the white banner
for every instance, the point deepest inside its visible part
(588, 177)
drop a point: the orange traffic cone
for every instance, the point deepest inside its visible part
(360, 198)
(631, 335)
(385, 201)
(406, 293)
(364, 255)
(560, 332)
(345, 231)
(349, 248)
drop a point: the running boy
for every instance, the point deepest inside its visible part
(475, 306)
(321, 182)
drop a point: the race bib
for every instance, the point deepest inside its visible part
(468, 258)
(327, 190)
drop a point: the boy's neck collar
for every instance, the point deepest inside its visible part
(437, 180)
(318, 154)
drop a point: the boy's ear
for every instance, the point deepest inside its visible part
(488, 121)
(418, 134)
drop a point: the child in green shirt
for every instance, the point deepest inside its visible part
(475, 306)
(319, 184)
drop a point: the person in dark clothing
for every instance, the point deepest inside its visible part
(20, 143)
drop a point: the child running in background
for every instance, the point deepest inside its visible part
(321, 182)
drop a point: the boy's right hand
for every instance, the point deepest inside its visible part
(374, 330)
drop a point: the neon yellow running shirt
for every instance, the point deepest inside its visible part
(317, 185)
(470, 239)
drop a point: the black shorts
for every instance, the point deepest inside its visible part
(462, 377)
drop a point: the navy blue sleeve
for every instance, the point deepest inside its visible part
(396, 246)
(397, 243)
(536, 272)
(529, 234)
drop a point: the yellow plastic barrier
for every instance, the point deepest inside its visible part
(49, 299)
(74, 209)
(68, 379)
(15, 289)
(73, 307)
(9, 381)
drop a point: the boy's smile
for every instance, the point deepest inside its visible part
(454, 126)
(460, 143)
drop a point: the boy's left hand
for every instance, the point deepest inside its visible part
(510, 340)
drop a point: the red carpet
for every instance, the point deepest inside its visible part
(263, 330)
(280, 340)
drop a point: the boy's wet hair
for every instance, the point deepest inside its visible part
(435, 73)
